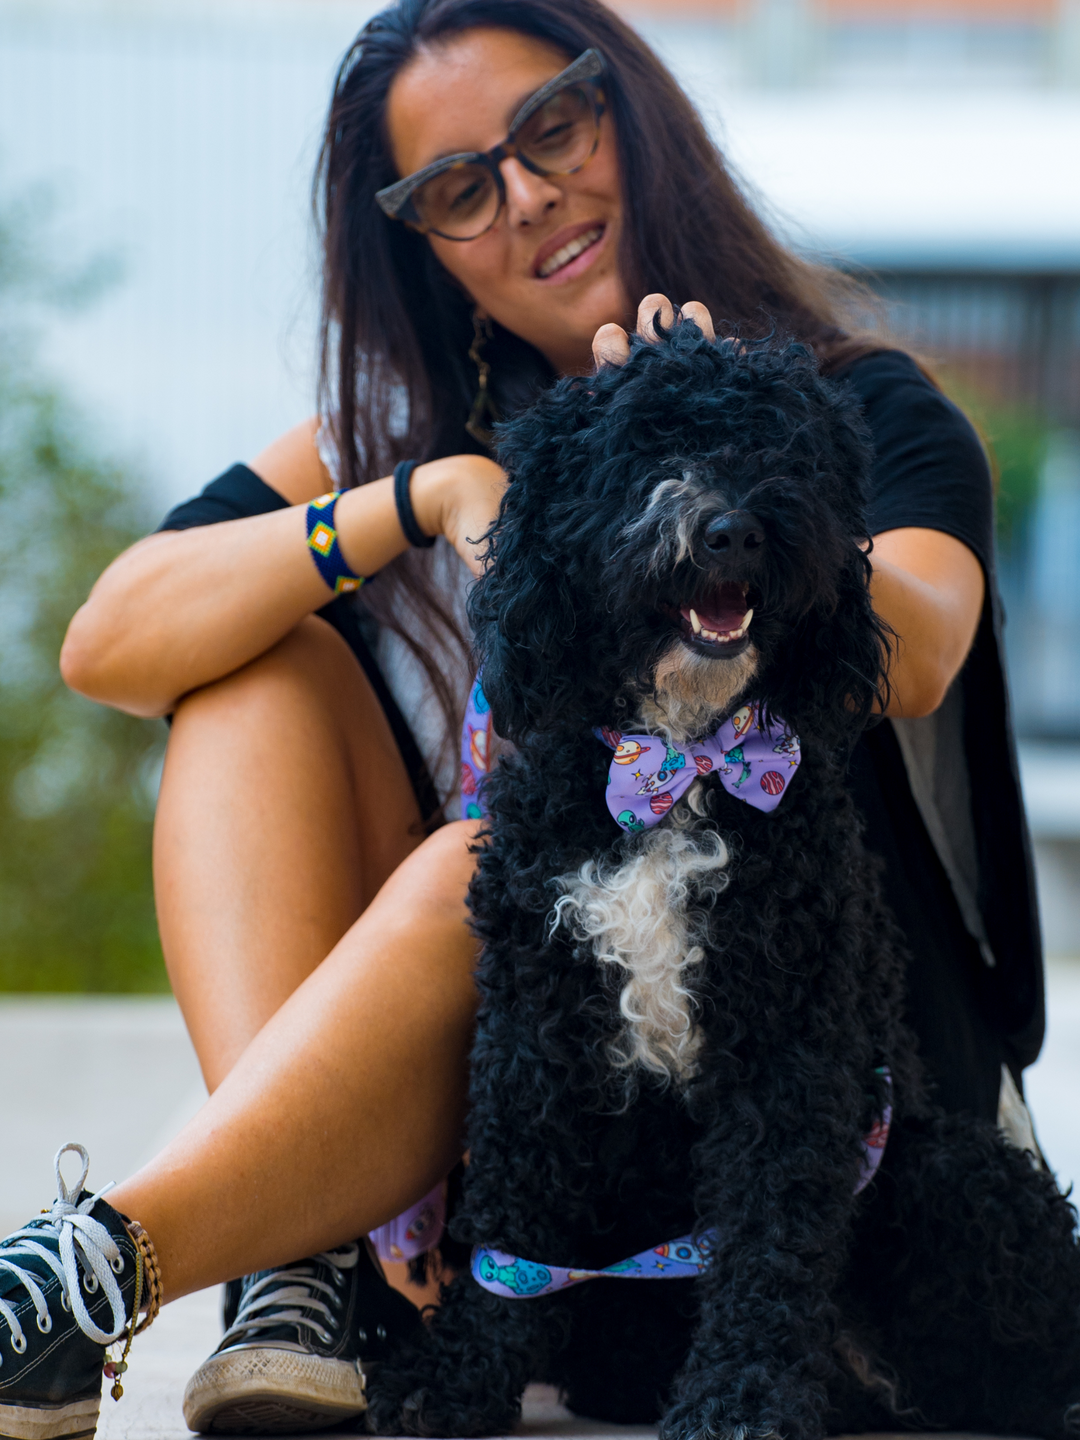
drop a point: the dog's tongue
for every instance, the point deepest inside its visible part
(722, 610)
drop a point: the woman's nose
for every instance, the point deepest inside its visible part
(528, 197)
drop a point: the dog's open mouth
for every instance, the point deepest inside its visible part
(718, 620)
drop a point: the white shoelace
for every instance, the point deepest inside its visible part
(296, 1286)
(79, 1236)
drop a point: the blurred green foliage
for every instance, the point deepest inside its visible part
(76, 780)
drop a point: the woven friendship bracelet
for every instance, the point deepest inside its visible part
(148, 1284)
(322, 541)
(155, 1293)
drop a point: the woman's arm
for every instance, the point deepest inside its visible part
(929, 587)
(183, 608)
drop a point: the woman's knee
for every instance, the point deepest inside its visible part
(306, 668)
(435, 877)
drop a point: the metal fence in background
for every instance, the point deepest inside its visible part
(1007, 344)
(1013, 335)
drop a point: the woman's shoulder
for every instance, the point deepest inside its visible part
(888, 376)
(903, 404)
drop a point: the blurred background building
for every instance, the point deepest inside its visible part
(159, 154)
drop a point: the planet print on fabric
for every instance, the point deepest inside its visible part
(703, 763)
(772, 782)
(660, 804)
(468, 780)
(610, 737)
(627, 751)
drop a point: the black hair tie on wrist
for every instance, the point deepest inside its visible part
(403, 500)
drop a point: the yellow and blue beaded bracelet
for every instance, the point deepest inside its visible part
(322, 539)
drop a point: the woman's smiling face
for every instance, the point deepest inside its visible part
(529, 271)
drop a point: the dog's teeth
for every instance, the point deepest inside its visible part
(695, 622)
(746, 622)
(708, 634)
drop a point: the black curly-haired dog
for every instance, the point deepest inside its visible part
(684, 1027)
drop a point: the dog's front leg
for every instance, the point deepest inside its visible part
(760, 1363)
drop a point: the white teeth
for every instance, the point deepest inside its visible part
(570, 251)
(721, 636)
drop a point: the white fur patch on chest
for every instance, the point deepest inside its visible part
(648, 916)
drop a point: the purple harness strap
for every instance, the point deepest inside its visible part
(519, 1279)
(681, 1259)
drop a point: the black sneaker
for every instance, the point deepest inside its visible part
(299, 1341)
(67, 1282)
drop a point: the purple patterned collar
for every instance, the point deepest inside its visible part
(647, 775)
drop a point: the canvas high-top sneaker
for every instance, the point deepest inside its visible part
(67, 1290)
(299, 1341)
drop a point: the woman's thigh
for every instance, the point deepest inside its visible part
(347, 1106)
(284, 807)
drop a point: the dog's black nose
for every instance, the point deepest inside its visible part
(738, 531)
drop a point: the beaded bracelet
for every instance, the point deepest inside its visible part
(322, 541)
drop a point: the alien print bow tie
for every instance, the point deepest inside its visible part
(753, 760)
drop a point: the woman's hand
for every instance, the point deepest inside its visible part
(926, 585)
(458, 497)
(611, 344)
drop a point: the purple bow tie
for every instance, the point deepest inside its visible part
(647, 775)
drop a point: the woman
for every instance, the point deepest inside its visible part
(316, 942)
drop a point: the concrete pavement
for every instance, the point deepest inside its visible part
(119, 1075)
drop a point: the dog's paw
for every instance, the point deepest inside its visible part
(707, 1422)
(404, 1405)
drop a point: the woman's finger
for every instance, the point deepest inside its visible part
(647, 311)
(611, 345)
(696, 311)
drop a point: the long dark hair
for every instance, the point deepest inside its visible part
(396, 328)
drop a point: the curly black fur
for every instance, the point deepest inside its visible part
(946, 1294)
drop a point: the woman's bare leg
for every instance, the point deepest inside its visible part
(284, 807)
(345, 1108)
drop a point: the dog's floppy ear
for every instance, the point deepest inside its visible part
(524, 627)
(835, 671)
(524, 608)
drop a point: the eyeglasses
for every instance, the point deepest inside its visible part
(555, 132)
